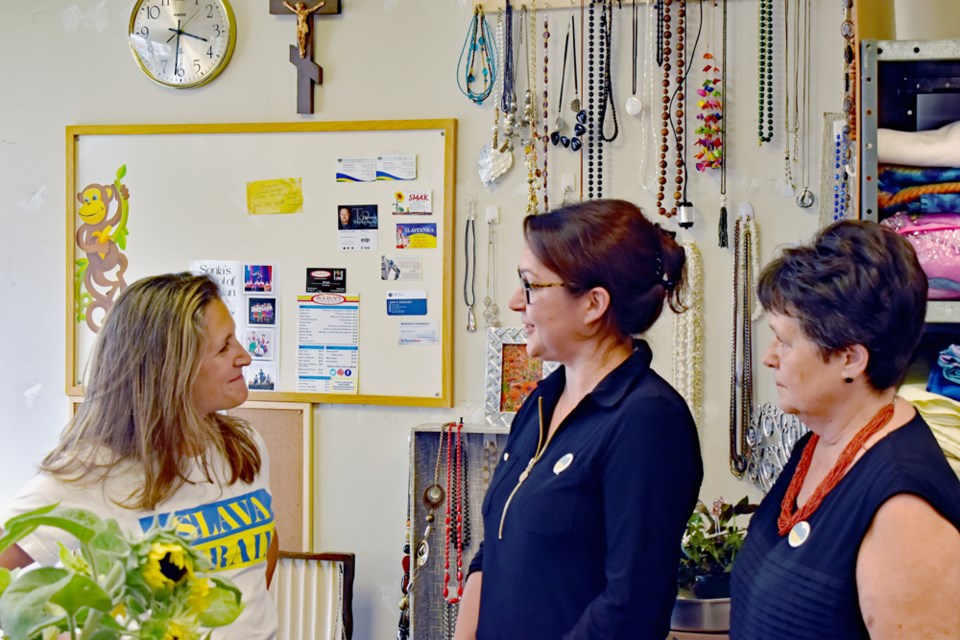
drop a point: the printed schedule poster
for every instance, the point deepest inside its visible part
(329, 340)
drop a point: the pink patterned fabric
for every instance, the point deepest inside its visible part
(936, 239)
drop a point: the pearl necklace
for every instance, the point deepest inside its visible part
(688, 337)
(546, 113)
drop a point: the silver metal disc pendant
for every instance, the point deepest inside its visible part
(805, 199)
(799, 534)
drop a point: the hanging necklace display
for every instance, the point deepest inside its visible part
(673, 56)
(479, 39)
(558, 137)
(579, 113)
(688, 337)
(403, 625)
(606, 86)
(844, 148)
(841, 159)
(546, 113)
(496, 158)
(741, 357)
(722, 235)
(433, 497)
(765, 70)
(470, 269)
(795, 521)
(646, 94)
(848, 31)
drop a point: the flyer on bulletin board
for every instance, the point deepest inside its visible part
(329, 343)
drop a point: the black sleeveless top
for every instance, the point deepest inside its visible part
(811, 591)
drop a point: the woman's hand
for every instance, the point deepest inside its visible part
(469, 611)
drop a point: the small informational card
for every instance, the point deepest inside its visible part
(417, 236)
(275, 196)
(406, 303)
(326, 280)
(418, 332)
(356, 169)
(397, 167)
(401, 268)
(357, 226)
(328, 342)
(261, 375)
(417, 203)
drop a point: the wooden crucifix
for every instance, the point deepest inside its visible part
(309, 72)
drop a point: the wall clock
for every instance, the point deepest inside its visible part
(182, 43)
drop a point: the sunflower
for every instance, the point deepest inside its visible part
(398, 196)
(179, 629)
(167, 564)
(198, 600)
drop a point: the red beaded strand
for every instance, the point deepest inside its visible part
(455, 492)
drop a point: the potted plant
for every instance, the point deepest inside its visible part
(710, 544)
(114, 587)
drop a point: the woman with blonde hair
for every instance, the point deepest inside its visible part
(148, 443)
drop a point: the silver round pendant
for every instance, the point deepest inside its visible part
(805, 199)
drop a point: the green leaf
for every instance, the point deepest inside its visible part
(224, 608)
(121, 172)
(81, 591)
(23, 606)
(79, 523)
(4, 579)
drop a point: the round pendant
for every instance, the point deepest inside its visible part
(433, 496)
(799, 534)
(423, 553)
(805, 199)
(634, 106)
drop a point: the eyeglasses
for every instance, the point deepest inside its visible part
(530, 286)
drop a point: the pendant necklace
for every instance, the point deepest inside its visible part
(433, 496)
(470, 258)
(688, 337)
(765, 70)
(579, 113)
(646, 97)
(496, 158)
(454, 529)
(634, 105)
(491, 312)
(558, 137)
(403, 625)
(797, 109)
(796, 521)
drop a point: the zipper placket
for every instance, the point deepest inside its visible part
(541, 447)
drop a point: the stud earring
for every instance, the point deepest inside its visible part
(848, 380)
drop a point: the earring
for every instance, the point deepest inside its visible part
(848, 380)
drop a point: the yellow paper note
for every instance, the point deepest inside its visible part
(275, 196)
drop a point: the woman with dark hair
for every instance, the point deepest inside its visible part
(860, 535)
(586, 509)
(148, 443)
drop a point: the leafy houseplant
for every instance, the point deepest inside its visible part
(710, 545)
(115, 586)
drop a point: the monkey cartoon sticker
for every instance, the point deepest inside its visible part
(102, 237)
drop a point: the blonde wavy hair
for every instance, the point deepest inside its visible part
(138, 408)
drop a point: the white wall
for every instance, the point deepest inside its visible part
(927, 19)
(68, 63)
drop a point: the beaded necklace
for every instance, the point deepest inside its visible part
(591, 87)
(546, 113)
(403, 625)
(530, 116)
(679, 96)
(478, 39)
(765, 70)
(841, 158)
(454, 525)
(688, 337)
(664, 34)
(647, 78)
(508, 96)
(606, 80)
(848, 31)
(793, 520)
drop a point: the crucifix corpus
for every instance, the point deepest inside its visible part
(309, 73)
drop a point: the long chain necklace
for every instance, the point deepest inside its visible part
(741, 357)
(793, 520)
(508, 96)
(530, 115)
(722, 235)
(679, 96)
(797, 109)
(647, 77)
(591, 105)
(546, 113)
(688, 337)
(849, 31)
(478, 39)
(470, 258)
(491, 312)
(664, 35)
(765, 70)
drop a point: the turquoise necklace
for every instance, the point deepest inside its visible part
(479, 40)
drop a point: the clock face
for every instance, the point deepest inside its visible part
(182, 43)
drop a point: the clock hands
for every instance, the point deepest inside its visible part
(176, 55)
(189, 35)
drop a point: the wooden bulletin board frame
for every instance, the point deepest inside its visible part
(439, 364)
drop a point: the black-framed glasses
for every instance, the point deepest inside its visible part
(530, 286)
